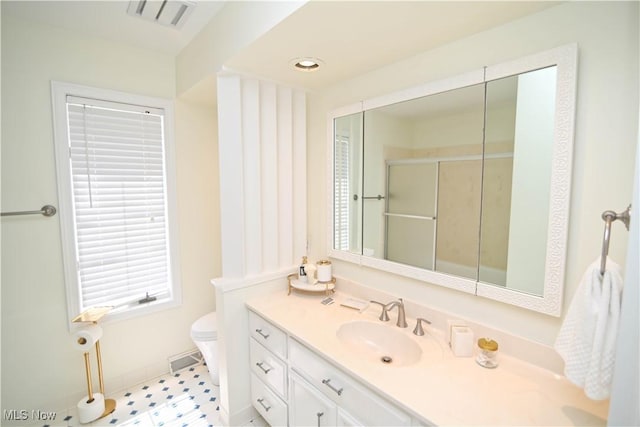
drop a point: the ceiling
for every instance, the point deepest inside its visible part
(358, 36)
(109, 20)
(351, 37)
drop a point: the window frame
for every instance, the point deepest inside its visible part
(59, 93)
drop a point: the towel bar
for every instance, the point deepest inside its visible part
(609, 217)
(46, 210)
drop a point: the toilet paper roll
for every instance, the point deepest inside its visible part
(90, 411)
(85, 338)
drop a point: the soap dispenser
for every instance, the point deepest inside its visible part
(302, 271)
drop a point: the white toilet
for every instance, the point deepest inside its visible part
(204, 333)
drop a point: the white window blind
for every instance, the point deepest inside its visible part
(118, 183)
(342, 194)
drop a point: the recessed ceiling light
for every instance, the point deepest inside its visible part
(306, 63)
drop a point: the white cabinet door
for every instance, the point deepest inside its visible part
(307, 406)
(346, 420)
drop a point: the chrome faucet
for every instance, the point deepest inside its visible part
(384, 316)
(402, 320)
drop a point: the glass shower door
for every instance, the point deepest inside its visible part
(412, 190)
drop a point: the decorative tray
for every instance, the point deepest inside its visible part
(316, 286)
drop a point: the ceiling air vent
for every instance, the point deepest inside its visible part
(170, 13)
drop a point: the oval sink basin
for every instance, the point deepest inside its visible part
(379, 343)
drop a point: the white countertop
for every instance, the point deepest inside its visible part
(440, 388)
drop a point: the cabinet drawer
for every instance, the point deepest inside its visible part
(363, 404)
(268, 335)
(270, 406)
(268, 368)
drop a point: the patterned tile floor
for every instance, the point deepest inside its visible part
(185, 399)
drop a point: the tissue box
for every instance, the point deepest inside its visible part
(462, 341)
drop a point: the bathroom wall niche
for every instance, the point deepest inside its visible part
(462, 182)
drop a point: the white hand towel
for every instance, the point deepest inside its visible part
(587, 337)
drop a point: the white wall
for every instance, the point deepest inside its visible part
(625, 393)
(40, 370)
(605, 138)
(262, 149)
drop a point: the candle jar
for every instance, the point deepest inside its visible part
(324, 271)
(488, 354)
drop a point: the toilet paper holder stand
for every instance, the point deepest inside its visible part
(93, 315)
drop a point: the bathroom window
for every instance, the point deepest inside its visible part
(115, 180)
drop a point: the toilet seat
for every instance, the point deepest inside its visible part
(205, 328)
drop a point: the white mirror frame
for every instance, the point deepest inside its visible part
(550, 302)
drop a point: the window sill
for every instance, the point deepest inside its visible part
(141, 310)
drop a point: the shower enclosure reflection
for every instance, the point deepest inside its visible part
(425, 156)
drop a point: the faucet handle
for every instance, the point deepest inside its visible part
(418, 329)
(383, 316)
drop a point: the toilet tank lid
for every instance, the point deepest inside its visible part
(207, 324)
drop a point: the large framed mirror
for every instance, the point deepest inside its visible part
(462, 182)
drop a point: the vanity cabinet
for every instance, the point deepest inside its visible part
(292, 385)
(267, 356)
(360, 404)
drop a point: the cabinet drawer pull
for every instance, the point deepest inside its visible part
(265, 336)
(327, 382)
(265, 370)
(319, 414)
(261, 402)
